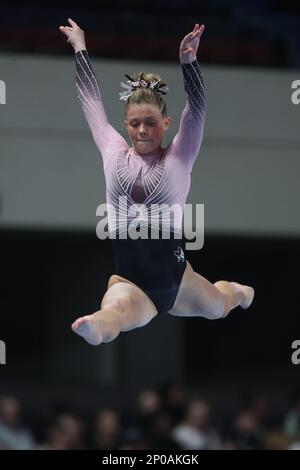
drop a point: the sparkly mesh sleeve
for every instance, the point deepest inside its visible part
(187, 141)
(107, 139)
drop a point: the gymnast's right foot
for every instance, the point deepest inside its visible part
(88, 328)
(248, 294)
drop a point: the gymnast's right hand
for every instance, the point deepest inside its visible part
(75, 35)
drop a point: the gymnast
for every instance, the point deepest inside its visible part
(152, 274)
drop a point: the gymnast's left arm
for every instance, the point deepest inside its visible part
(187, 141)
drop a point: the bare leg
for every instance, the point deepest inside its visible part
(199, 297)
(124, 307)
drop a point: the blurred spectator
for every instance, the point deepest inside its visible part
(148, 404)
(65, 434)
(295, 444)
(13, 435)
(291, 425)
(107, 430)
(260, 407)
(160, 432)
(276, 440)
(134, 439)
(247, 432)
(196, 432)
(174, 399)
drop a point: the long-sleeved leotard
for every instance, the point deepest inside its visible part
(155, 265)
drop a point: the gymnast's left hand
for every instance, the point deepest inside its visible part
(189, 45)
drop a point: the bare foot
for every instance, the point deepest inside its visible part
(88, 328)
(248, 294)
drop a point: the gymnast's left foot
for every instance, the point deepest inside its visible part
(88, 328)
(248, 294)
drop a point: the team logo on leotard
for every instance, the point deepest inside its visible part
(179, 253)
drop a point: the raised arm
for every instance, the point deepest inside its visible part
(187, 141)
(107, 139)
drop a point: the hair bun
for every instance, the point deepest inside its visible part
(150, 81)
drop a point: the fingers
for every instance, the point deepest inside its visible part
(194, 35)
(194, 30)
(72, 23)
(198, 29)
(69, 28)
(202, 28)
(64, 30)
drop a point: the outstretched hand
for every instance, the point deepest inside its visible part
(74, 34)
(189, 45)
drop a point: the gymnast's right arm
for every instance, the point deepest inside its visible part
(105, 136)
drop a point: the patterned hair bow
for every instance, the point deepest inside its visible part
(132, 85)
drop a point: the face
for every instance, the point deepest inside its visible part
(146, 127)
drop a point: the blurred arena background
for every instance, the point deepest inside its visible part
(176, 383)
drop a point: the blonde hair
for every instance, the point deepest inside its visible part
(147, 95)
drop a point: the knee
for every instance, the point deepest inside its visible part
(120, 304)
(113, 280)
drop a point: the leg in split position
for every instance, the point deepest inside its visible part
(124, 307)
(199, 297)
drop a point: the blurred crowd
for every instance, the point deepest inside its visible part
(164, 419)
